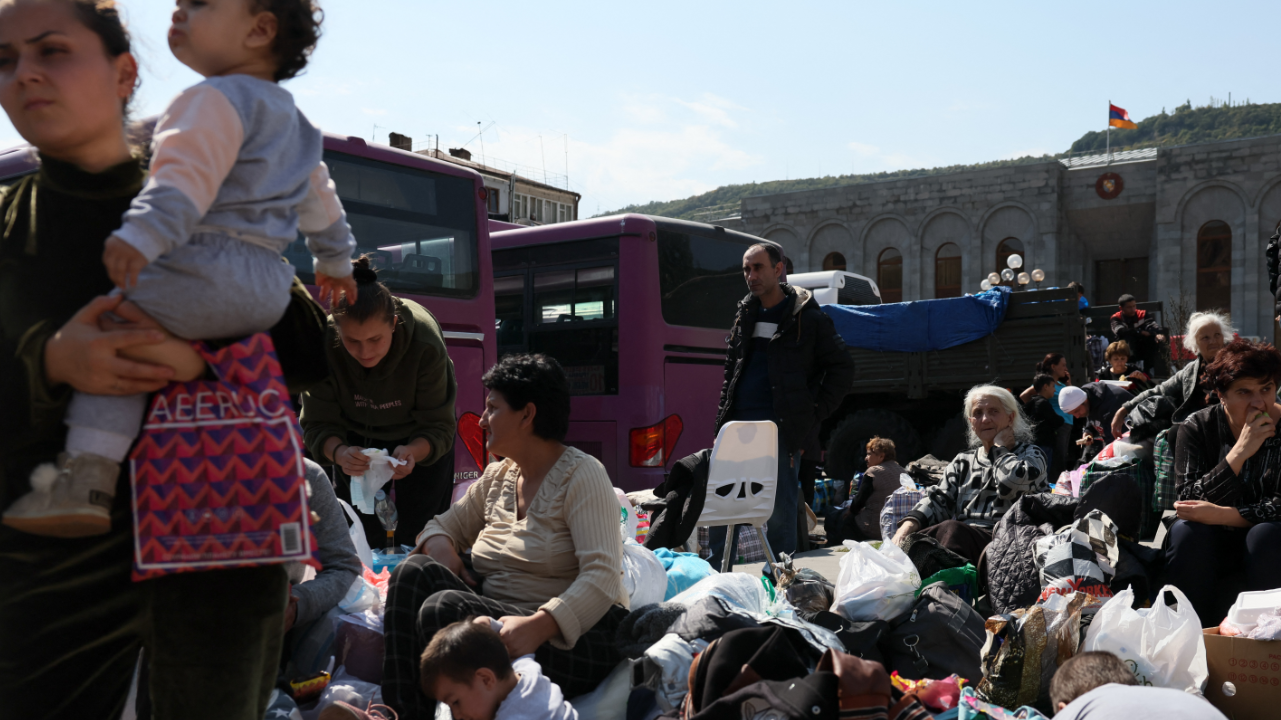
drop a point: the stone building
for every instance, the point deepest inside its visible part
(1190, 221)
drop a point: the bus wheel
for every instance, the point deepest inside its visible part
(847, 444)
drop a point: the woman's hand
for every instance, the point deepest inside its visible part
(330, 287)
(411, 454)
(352, 459)
(441, 549)
(85, 357)
(1004, 438)
(1207, 513)
(1253, 434)
(524, 635)
(1118, 423)
(906, 528)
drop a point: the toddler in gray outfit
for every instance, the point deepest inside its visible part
(236, 174)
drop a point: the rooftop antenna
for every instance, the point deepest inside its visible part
(566, 161)
(373, 135)
(543, 152)
(481, 134)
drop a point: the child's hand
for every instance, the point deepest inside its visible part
(123, 262)
(330, 286)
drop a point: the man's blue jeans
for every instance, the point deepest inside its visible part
(780, 530)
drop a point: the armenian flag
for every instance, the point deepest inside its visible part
(1118, 117)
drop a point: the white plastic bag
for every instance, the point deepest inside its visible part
(357, 533)
(875, 584)
(628, 521)
(643, 575)
(361, 596)
(347, 688)
(742, 590)
(1162, 645)
(381, 467)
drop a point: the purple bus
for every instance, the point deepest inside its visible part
(425, 221)
(637, 310)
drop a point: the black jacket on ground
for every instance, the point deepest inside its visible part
(810, 369)
(681, 495)
(1009, 568)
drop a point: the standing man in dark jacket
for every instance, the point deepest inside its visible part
(784, 363)
(1139, 330)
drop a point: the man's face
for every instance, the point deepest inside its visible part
(761, 276)
(1081, 410)
(1130, 308)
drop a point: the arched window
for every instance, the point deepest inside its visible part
(1214, 266)
(1009, 246)
(889, 275)
(834, 261)
(947, 271)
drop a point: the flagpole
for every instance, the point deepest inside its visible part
(1109, 160)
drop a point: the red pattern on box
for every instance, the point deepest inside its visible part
(217, 475)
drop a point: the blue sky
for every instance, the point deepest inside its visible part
(660, 100)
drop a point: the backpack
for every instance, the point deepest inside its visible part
(940, 635)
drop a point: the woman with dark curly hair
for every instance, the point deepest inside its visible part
(547, 557)
(1227, 469)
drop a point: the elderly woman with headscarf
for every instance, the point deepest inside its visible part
(983, 482)
(1206, 334)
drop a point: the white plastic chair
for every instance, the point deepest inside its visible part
(741, 483)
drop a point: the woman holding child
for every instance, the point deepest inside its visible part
(71, 620)
(542, 527)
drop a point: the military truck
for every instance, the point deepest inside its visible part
(915, 398)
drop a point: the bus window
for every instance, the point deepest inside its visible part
(700, 278)
(509, 313)
(572, 309)
(421, 225)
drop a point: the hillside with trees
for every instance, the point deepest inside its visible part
(1185, 126)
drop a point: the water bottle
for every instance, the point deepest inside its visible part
(385, 509)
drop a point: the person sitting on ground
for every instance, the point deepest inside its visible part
(1119, 366)
(1139, 329)
(1227, 472)
(981, 484)
(1094, 404)
(1040, 410)
(1098, 686)
(314, 602)
(542, 526)
(861, 520)
(466, 667)
(1206, 334)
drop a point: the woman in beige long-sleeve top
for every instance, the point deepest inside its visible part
(546, 552)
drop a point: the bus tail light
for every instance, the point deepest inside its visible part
(473, 437)
(652, 446)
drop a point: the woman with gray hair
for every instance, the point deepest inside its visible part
(1206, 334)
(983, 482)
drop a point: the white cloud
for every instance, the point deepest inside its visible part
(663, 148)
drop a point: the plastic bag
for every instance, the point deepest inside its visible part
(345, 687)
(1161, 644)
(627, 520)
(1268, 627)
(875, 584)
(741, 590)
(359, 645)
(363, 487)
(806, 589)
(361, 596)
(643, 575)
(357, 533)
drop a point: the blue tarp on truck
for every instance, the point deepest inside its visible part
(921, 325)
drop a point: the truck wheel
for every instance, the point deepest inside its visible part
(951, 440)
(848, 442)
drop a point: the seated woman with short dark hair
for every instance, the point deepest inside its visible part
(1227, 471)
(542, 527)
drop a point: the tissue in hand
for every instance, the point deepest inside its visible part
(363, 487)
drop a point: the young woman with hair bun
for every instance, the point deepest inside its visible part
(391, 387)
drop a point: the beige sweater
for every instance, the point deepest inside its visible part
(565, 556)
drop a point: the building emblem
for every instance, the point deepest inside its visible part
(1109, 185)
